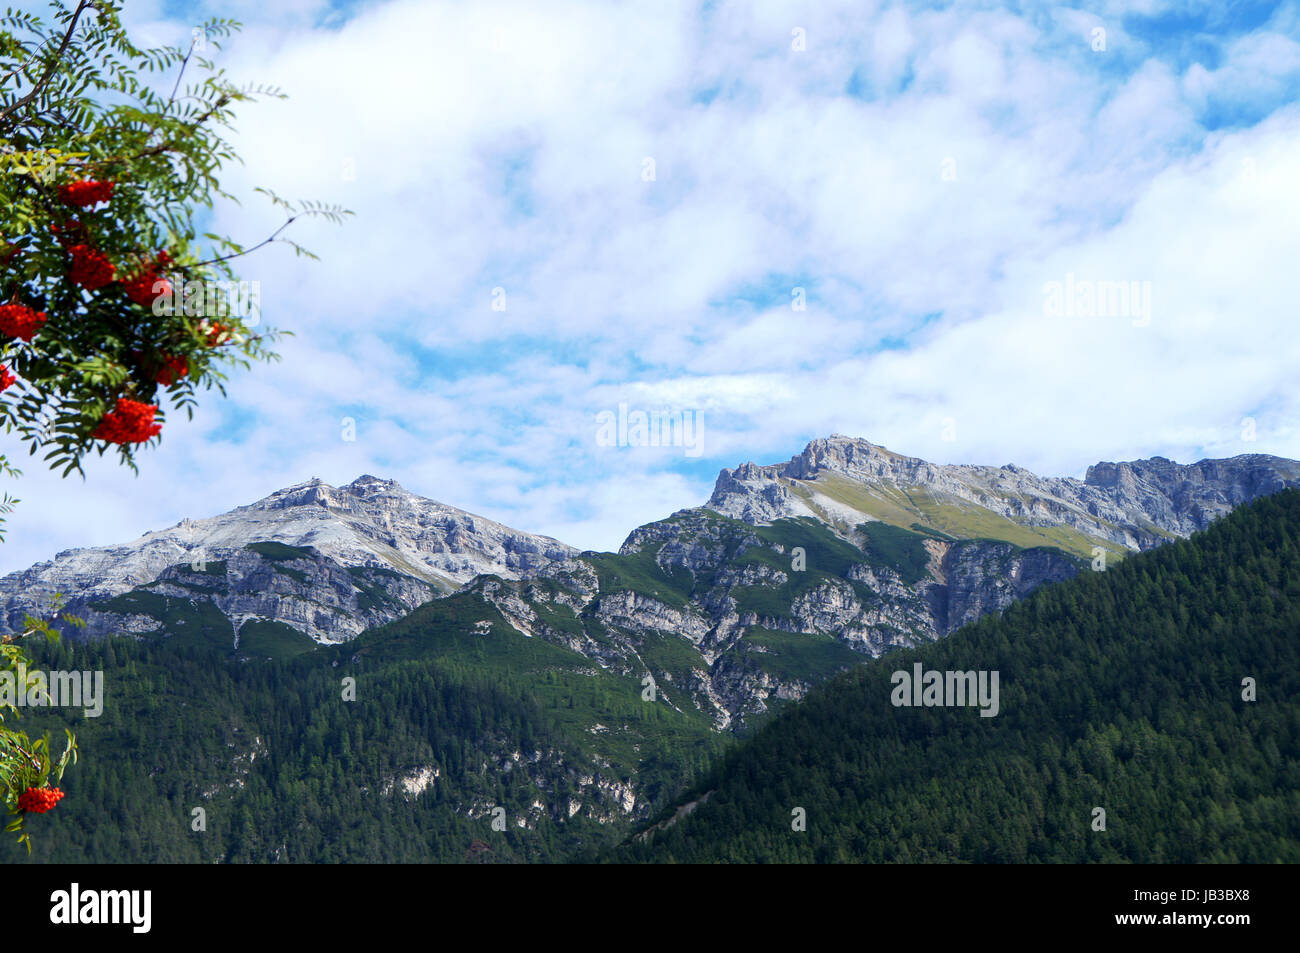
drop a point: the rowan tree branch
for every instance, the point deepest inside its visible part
(248, 251)
(54, 64)
(169, 146)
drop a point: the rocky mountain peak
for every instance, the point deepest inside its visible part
(853, 457)
(847, 481)
(370, 524)
(366, 483)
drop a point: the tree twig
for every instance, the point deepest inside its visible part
(58, 55)
(249, 251)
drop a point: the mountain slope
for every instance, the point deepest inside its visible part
(1118, 506)
(730, 618)
(747, 602)
(1120, 690)
(327, 563)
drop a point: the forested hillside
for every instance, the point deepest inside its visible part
(1120, 690)
(445, 726)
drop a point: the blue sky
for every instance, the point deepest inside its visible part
(922, 171)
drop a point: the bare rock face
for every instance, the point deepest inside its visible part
(983, 577)
(756, 495)
(1134, 505)
(341, 542)
(1186, 498)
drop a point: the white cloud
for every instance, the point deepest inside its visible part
(502, 144)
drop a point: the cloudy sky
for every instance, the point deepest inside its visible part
(784, 220)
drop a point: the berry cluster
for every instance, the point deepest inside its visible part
(172, 370)
(90, 267)
(20, 321)
(39, 800)
(148, 284)
(131, 421)
(81, 194)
